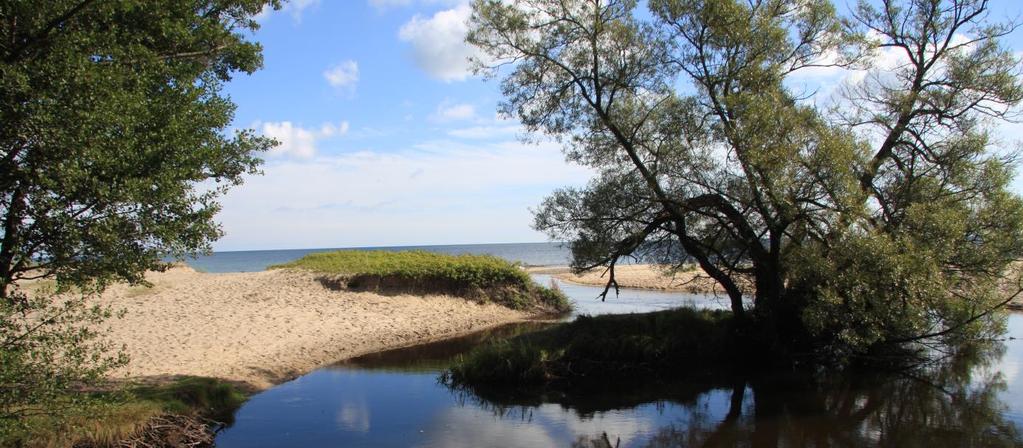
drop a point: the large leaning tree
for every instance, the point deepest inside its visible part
(882, 218)
(114, 146)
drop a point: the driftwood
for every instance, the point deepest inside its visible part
(165, 431)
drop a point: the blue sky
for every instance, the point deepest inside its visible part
(387, 138)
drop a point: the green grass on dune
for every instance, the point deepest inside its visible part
(477, 277)
(477, 270)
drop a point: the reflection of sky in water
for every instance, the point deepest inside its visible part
(368, 408)
(554, 425)
(1010, 366)
(585, 300)
(349, 406)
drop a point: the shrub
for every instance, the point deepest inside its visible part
(601, 348)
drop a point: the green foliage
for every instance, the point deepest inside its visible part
(114, 417)
(113, 115)
(47, 347)
(113, 151)
(631, 346)
(883, 219)
(473, 276)
(474, 270)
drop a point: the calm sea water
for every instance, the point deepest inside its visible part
(533, 254)
(394, 399)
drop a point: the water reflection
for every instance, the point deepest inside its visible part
(946, 404)
(585, 299)
(394, 399)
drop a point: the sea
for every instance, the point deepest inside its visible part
(528, 254)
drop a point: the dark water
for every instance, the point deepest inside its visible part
(533, 254)
(394, 399)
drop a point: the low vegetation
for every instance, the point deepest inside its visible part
(477, 277)
(605, 348)
(180, 413)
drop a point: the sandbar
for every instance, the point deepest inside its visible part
(258, 329)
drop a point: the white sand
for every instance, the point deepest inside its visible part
(262, 328)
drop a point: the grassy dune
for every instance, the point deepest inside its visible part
(477, 277)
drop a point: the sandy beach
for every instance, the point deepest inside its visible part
(641, 276)
(261, 328)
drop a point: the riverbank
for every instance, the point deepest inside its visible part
(653, 277)
(640, 276)
(261, 328)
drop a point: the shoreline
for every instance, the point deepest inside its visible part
(638, 276)
(260, 329)
(652, 278)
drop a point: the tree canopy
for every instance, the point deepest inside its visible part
(875, 214)
(114, 144)
(114, 147)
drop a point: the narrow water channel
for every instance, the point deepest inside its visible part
(394, 399)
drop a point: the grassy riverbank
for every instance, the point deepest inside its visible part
(174, 414)
(603, 348)
(476, 277)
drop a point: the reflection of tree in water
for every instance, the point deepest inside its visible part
(953, 403)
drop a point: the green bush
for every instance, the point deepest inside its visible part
(49, 350)
(600, 348)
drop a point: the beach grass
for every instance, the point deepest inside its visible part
(132, 415)
(479, 277)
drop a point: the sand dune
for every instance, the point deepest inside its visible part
(262, 328)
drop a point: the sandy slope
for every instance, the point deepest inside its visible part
(262, 328)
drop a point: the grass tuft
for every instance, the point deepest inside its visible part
(116, 417)
(476, 277)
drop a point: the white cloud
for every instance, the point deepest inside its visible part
(448, 111)
(296, 141)
(485, 132)
(823, 67)
(382, 5)
(438, 43)
(453, 192)
(329, 130)
(879, 69)
(387, 4)
(354, 416)
(295, 8)
(343, 75)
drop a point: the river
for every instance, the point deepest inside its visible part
(395, 399)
